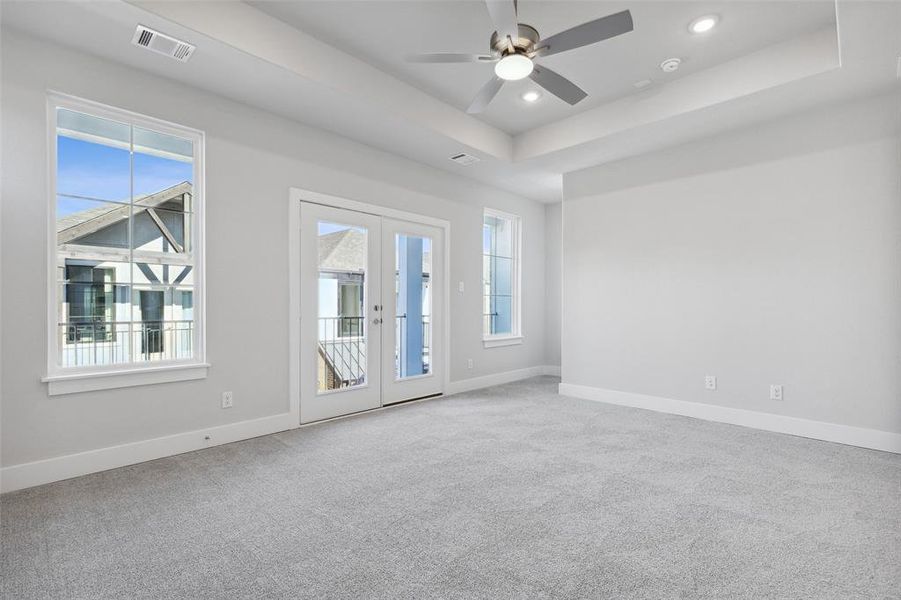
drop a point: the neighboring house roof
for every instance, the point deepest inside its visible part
(343, 251)
(346, 251)
(85, 222)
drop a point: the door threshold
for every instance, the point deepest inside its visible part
(399, 402)
(377, 408)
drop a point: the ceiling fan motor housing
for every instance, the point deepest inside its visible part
(526, 43)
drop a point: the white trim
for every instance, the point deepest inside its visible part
(73, 383)
(295, 197)
(76, 379)
(26, 475)
(17, 477)
(301, 195)
(498, 341)
(477, 383)
(818, 430)
(294, 309)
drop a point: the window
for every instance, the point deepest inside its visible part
(126, 258)
(500, 279)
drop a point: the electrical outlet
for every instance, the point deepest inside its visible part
(710, 382)
(775, 392)
(468, 363)
(228, 399)
(460, 287)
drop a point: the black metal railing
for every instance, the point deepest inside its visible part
(400, 336)
(342, 352)
(93, 343)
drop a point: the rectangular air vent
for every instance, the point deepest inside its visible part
(162, 44)
(464, 159)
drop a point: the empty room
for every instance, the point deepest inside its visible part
(452, 299)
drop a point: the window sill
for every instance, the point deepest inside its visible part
(73, 383)
(500, 341)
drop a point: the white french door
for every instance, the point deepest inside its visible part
(372, 311)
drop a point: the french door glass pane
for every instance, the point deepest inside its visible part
(413, 301)
(341, 343)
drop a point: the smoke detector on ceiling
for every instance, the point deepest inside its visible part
(162, 44)
(464, 159)
(670, 65)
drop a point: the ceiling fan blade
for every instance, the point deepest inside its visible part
(449, 57)
(588, 33)
(558, 85)
(485, 95)
(503, 15)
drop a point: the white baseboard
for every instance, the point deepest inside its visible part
(476, 383)
(17, 477)
(819, 430)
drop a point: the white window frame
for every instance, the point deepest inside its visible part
(515, 336)
(68, 380)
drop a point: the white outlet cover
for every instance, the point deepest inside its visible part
(775, 392)
(710, 382)
(228, 399)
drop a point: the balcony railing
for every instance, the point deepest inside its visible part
(94, 343)
(342, 352)
(400, 326)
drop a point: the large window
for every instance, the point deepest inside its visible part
(125, 272)
(500, 278)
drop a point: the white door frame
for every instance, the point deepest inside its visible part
(295, 197)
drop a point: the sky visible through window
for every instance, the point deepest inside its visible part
(103, 172)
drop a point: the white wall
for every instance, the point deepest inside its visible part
(766, 256)
(252, 158)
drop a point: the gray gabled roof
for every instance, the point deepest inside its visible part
(343, 251)
(86, 222)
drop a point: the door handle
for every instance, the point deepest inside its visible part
(376, 321)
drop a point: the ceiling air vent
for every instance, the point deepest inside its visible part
(464, 159)
(162, 44)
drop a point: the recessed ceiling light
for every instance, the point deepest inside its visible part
(670, 65)
(642, 84)
(703, 24)
(531, 96)
(513, 67)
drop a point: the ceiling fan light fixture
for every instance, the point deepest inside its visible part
(531, 96)
(703, 24)
(513, 67)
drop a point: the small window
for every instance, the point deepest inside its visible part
(126, 245)
(500, 276)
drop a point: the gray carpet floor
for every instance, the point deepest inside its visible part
(508, 492)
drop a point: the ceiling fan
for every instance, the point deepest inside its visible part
(515, 46)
